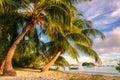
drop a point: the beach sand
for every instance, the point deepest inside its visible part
(27, 74)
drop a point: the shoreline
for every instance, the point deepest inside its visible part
(97, 73)
(28, 74)
(108, 71)
(101, 73)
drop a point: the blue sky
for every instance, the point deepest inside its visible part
(105, 15)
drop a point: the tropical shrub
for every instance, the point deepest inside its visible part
(118, 67)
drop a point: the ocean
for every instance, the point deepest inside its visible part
(102, 70)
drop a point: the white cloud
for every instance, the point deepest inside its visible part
(106, 12)
(107, 59)
(117, 10)
(110, 59)
(81, 59)
(96, 6)
(116, 13)
(70, 60)
(111, 44)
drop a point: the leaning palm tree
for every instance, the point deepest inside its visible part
(29, 51)
(8, 33)
(71, 41)
(41, 9)
(8, 25)
(43, 13)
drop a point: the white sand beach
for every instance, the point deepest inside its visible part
(55, 75)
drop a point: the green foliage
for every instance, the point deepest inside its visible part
(118, 67)
(8, 32)
(9, 20)
(12, 5)
(24, 61)
(36, 62)
(57, 18)
(25, 55)
(74, 39)
(29, 61)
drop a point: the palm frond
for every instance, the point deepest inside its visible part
(93, 32)
(53, 30)
(76, 35)
(79, 23)
(81, 39)
(26, 47)
(89, 51)
(62, 11)
(61, 61)
(71, 2)
(70, 49)
(12, 5)
(68, 32)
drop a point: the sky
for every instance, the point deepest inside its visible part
(105, 15)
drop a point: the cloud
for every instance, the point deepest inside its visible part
(81, 59)
(97, 6)
(111, 44)
(110, 59)
(107, 59)
(70, 60)
(117, 10)
(102, 13)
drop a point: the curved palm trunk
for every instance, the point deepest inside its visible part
(47, 66)
(8, 69)
(2, 66)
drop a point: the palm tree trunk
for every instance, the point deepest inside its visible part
(47, 66)
(2, 66)
(8, 69)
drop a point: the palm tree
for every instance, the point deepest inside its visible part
(29, 51)
(8, 23)
(26, 55)
(8, 33)
(44, 8)
(43, 11)
(71, 41)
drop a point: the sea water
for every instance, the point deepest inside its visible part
(96, 70)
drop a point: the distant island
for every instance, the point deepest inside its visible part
(88, 64)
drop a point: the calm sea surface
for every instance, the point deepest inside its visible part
(96, 70)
